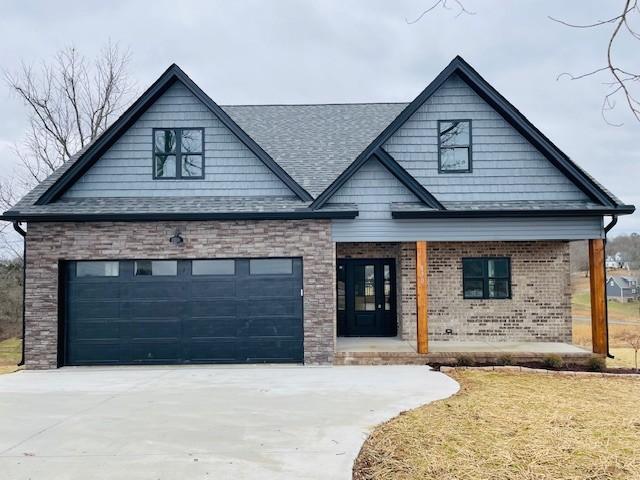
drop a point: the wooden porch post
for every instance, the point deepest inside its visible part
(598, 296)
(421, 296)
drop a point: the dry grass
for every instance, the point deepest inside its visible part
(513, 426)
(10, 351)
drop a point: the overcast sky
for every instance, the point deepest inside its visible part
(294, 51)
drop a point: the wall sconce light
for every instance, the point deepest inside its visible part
(176, 240)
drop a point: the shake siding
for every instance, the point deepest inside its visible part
(125, 170)
(373, 188)
(505, 165)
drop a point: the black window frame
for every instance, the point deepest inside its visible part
(468, 147)
(178, 154)
(485, 278)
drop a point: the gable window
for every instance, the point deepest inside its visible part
(454, 146)
(178, 153)
(486, 277)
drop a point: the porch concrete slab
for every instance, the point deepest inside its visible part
(267, 422)
(374, 344)
(504, 347)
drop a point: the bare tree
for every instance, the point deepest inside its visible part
(70, 101)
(623, 82)
(633, 340)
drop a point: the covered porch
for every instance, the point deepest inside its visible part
(439, 331)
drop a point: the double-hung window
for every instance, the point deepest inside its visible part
(178, 153)
(454, 146)
(486, 277)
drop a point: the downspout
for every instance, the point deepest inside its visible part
(23, 234)
(611, 224)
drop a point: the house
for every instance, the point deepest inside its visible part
(616, 261)
(190, 232)
(622, 289)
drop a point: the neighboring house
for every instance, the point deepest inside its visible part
(190, 232)
(616, 261)
(623, 289)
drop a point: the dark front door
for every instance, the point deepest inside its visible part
(183, 311)
(366, 298)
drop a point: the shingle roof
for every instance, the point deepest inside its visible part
(314, 143)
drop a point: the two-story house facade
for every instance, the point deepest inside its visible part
(190, 232)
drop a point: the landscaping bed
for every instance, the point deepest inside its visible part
(507, 425)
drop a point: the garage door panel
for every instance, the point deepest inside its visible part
(206, 289)
(271, 350)
(152, 329)
(214, 308)
(96, 290)
(154, 290)
(83, 311)
(210, 327)
(217, 350)
(273, 327)
(272, 306)
(272, 287)
(217, 316)
(95, 329)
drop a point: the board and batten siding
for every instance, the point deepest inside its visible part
(505, 165)
(467, 229)
(126, 170)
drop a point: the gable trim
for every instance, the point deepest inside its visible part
(133, 113)
(459, 66)
(392, 166)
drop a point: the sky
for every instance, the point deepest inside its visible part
(294, 51)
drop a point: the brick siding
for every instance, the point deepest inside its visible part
(48, 243)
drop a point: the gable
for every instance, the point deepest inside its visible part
(125, 169)
(373, 189)
(505, 165)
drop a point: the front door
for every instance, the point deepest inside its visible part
(366, 298)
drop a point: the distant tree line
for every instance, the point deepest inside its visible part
(627, 245)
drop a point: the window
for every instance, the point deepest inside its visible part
(364, 287)
(213, 267)
(271, 266)
(97, 269)
(486, 277)
(178, 153)
(342, 298)
(156, 268)
(454, 146)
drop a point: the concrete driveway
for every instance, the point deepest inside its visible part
(200, 422)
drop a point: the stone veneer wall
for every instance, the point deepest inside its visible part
(540, 307)
(48, 243)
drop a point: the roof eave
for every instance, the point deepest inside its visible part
(592, 212)
(12, 216)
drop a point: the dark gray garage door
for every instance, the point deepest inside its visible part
(184, 311)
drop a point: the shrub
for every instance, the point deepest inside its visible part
(465, 361)
(505, 359)
(597, 364)
(553, 361)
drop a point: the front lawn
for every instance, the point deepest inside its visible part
(513, 426)
(10, 351)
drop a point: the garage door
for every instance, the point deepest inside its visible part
(183, 311)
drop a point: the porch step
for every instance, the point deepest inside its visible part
(449, 358)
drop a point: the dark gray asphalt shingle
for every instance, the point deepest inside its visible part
(314, 143)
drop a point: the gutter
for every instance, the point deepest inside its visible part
(408, 214)
(23, 234)
(610, 225)
(17, 216)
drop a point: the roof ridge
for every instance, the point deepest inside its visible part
(312, 104)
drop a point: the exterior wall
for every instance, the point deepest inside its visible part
(405, 257)
(540, 307)
(373, 188)
(48, 243)
(125, 170)
(505, 165)
(467, 229)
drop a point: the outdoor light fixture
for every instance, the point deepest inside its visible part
(176, 240)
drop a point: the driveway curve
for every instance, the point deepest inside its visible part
(165, 423)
